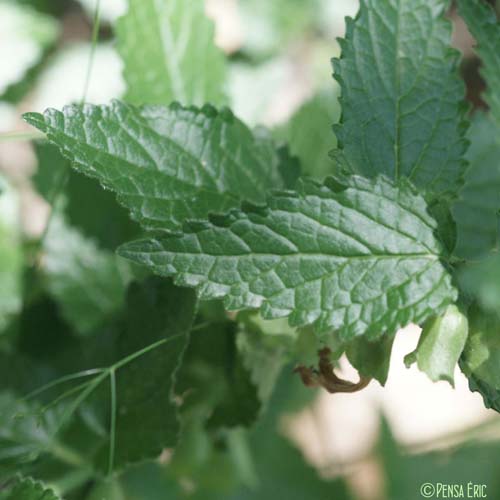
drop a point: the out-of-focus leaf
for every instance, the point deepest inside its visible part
(482, 22)
(213, 380)
(25, 35)
(29, 489)
(481, 357)
(466, 466)
(24, 433)
(266, 347)
(481, 281)
(310, 135)
(371, 359)
(169, 54)
(11, 257)
(440, 345)
(88, 283)
(146, 418)
(476, 210)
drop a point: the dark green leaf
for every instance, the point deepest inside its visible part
(361, 258)
(401, 95)
(29, 489)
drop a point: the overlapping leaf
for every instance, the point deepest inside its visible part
(360, 257)
(476, 210)
(168, 51)
(482, 22)
(166, 164)
(401, 95)
(29, 489)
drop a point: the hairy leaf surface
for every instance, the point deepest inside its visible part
(166, 164)
(361, 258)
(401, 94)
(168, 51)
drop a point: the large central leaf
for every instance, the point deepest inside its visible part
(362, 258)
(401, 94)
(166, 164)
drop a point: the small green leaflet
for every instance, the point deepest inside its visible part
(166, 164)
(169, 54)
(440, 345)
(29, 489)
(360, 257)
(482, 22)
(401, 95)
(476, 211)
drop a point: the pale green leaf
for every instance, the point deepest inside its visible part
(88, 283)
(166, 164)
(482, 22)
(360, 257)
(476, 210)
(168, 51)
(309, 133)
(440, 345)
(401, 95)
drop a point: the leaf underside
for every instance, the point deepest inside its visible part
(361, 258)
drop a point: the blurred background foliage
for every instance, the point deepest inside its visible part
(66, 299)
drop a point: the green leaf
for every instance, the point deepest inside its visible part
(166, 164)
(169, 54)
(213, 381)
(371, 359)
(88, 283)
(481, 281)
(476, 211)
(25, 434)
(482, 22)
(146, 417)
(401, 95)
(309, 133)
(266, 347)
(29, 489)
(490, 395)
(361, 258)
(103, 220)
(440, 345)
(11, 257)
(481, 356)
